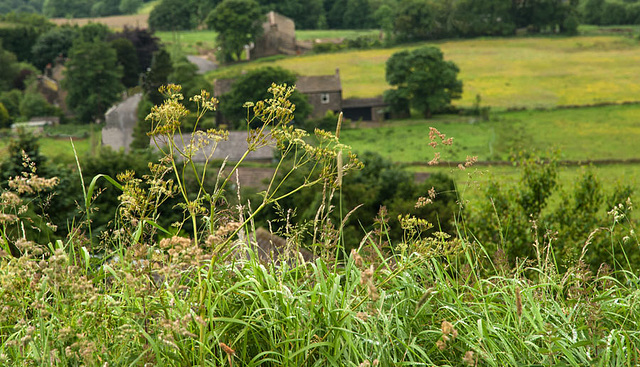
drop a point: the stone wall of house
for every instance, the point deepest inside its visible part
(321, 105)
(279, 37)
(119, 123)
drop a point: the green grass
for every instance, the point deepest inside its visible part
(506, 72)
(58, 149)
(190, 42)
(609, 132)
(197, 42)
(313, 34)
(147, 7)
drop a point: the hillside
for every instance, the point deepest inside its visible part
(506, 73)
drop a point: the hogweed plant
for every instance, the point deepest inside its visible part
(431, 299)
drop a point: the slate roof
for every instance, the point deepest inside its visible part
(232, 149)
(319, 83)
(363, 102)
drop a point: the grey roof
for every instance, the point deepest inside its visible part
(202, 63)
(231, 150)
(363, 102)
(319, 83)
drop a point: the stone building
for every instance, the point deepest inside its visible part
(324, 92)
(120, 121)
(278, 37)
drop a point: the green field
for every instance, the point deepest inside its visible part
(190, 42)
(203, 41)
(507, 72)
(147, 7)
(610, 132)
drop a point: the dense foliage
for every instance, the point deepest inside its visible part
(71, 8)
(93, 79)
(238, 23)
(210, 296)
(422, 80)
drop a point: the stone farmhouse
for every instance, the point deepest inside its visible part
(120, 120)
(278, 38)
(325, 94)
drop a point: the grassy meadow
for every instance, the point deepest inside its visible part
(189, 42)
(580, 134)
(506, 72)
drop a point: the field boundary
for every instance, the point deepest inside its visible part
(566, 162)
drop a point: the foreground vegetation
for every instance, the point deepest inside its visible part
(140, 294)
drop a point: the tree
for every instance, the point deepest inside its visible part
(92, 79)
(161, 68)
(51, 44)
(129, 6)
(9, 70)
(67, 8)
(484, 18)
(252, 87)
(145, 43)
(5, 119)
(34, 104)
(94, 32)
(172, 15)
(423, 79)
(238, 23)
(357, 15)
(128, 60)
(414, 20)
(307, 14)
(11, 100)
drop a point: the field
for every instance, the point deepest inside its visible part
(114, 22)
(202, 41)
(506, 73)
(189, 42)
(593, 133)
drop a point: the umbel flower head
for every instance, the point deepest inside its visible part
(166, 118)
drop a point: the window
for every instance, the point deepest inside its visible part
(324, 98)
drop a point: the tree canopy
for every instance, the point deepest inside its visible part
(92, 79)
(238, 23)
(423, 80)
(172, 15)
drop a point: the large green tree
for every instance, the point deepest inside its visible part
(173, 15)
(238, 23)
(92, 79)
(51, 44)
(145, 43)
(9, 69)
(484, 18)
(128, 60)
(422, 80)
(414, 20)
(158, 75)
(252, 87)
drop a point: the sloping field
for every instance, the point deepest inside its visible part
(114, 22)
(506, 73)
(594, 133)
